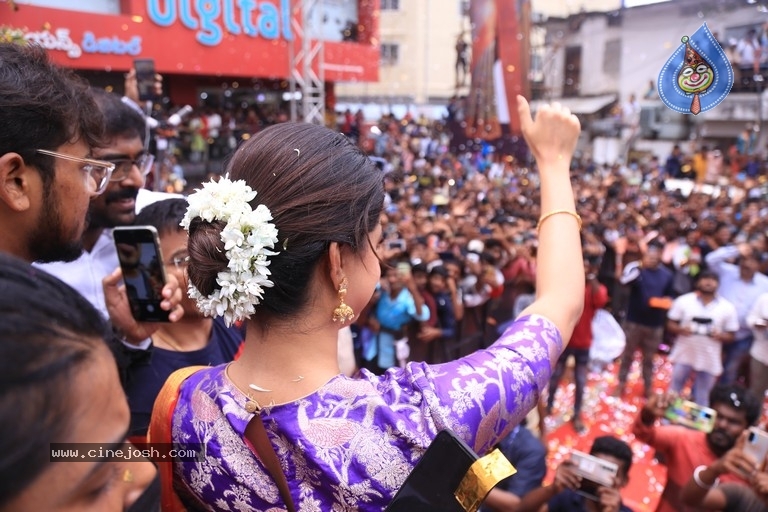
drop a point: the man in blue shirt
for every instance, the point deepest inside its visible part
(651, 286)
(741, 284)
(565, 494)
(528, 455)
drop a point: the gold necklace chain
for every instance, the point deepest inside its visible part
(167, 341)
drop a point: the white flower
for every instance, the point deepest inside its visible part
(248, 237)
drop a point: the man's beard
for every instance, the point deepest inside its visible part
(720, 441)
(48, 242)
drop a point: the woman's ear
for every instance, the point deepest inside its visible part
(336, 272)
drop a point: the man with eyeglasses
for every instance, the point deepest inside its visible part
(116, 206)
(685, 449)
(49, 129)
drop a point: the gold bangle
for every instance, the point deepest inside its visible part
(557, 212)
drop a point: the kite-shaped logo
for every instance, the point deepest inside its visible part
(698, 76)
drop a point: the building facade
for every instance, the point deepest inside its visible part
(219, 48)
(594, 61)
(418, 57)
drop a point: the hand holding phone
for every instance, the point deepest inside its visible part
(756, 445)
(145, 78)
(692, 415)
(594, 472)
(396, 244)
(141, 262)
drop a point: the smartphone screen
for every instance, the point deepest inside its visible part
(145, 78)
(691, 414)
(140, 259)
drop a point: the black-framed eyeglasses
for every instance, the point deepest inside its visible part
(124, 166)
(99, 171)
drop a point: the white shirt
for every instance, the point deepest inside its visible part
(214, 124)
(759, 313)
(699, 350)
(86, 272)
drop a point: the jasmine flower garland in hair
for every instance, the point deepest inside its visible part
(248, 237)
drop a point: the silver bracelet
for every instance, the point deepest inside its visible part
(697, 479)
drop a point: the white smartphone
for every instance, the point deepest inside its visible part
(594, 472)
(757, 445)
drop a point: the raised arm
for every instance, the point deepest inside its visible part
(552, 139)
(717, 260)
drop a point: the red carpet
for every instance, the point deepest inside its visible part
(605, 415)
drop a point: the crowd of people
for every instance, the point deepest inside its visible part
(467, 278)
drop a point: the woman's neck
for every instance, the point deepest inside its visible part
(289, 361)
(184, 336)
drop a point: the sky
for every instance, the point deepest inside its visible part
(566, 7)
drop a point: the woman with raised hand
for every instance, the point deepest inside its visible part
(289, 242)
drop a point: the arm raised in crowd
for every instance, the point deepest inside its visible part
(552, 139)
(701, 490)
(717, 260)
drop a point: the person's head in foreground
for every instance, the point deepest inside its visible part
(49, 127)
(59, 384)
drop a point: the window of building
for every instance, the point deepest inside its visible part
(612, 56)
(572, 83)
(389, 54)
(390, 5)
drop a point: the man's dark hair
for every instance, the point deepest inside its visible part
(165, 216)
(120, 120)
(738, 397)
(609, 445)
(708, 274)
(43, 106)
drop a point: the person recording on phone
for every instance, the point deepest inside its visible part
(399, 304)
(757, 320)
(192, 341)
(441, 288)
(565, 494)
(684, 449)
(704, 491)
(703, 322)
(124, 129)
(648, 281)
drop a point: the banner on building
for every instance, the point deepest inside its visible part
(499, 67)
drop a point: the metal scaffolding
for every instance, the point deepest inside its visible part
(307, 73)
